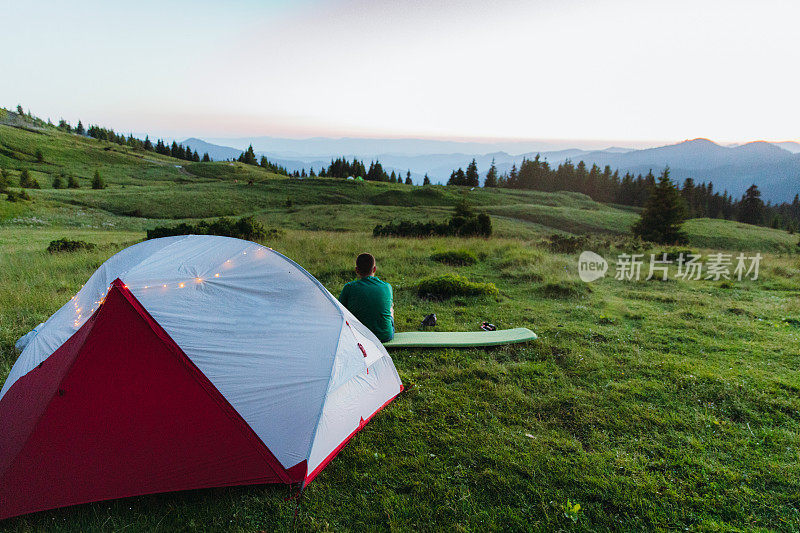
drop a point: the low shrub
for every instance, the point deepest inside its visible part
(564, 289)
(66, 245)
(247, 228)
(456, 258)
(566, 244)
(450, 285)
(5, 180)
(463, 223)
(97, 181)
(20, 196)
(27, 181)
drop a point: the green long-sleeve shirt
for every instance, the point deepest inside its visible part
(370, 300)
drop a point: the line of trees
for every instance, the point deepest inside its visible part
(604, 185)
(248, 157)
(178, 151)
(343, 168)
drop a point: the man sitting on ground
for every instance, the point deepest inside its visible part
(370, 299)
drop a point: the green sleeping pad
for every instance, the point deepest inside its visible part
(459, 339)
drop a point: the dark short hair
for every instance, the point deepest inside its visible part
(364, 264)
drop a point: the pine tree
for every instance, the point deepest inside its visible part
(206, 158)
(663, 215)
(79, 128)
(20, 112)
(97, 181)
(491, 176)
(58, 182)
(457, 177)
(426, 180)
(26, 181)
(392, 177)
(689, 195)
(5, 180)
(472, 178)
(751, 207)
(408, 178)
(248, 157)
(72, 183)
(513, 176)
(147, 144)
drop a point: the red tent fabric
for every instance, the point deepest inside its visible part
(119, 410)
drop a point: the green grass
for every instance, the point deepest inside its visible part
(654, 405)
(729, 235)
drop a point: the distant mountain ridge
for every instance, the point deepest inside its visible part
(774, 167)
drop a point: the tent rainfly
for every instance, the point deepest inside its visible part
(184, 363)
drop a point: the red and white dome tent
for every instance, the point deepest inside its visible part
(183, 363)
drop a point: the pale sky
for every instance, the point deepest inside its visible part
(632, 71)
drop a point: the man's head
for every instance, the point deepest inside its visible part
(365, 265)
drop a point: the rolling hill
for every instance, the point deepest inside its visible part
(774, 167)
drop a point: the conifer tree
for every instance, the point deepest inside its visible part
(408, 178)
(97, 181)
(72, 183)
(20, 112)
(206, 158)
(426, 180)
(248, 157)
(472, 178)
(513, 176)
(79, 129)
(58, 182)
(663, 215)
(26, 181)
(5, 180)
(491, 176)
(751, 208)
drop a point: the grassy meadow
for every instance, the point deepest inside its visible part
(651, 405)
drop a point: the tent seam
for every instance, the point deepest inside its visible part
(336, 306)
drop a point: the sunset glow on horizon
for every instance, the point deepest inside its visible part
(620, 71)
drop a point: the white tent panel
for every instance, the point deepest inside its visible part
(70, 317)
(275, 343)
(350, 404)
(256, 324)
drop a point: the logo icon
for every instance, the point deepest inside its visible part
(591, 266)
